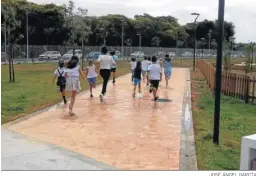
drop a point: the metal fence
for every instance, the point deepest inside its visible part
(20, 51)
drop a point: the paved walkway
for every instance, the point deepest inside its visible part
(123, 132)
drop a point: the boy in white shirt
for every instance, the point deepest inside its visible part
(133, 65)
(155, 76)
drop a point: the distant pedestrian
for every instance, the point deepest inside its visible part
(145, 65)
(133, 65)
(106, 62)
(113, 68)
(61, 80)
(155, 76)
(73, 83)
(149, 63)
(91, 74)
(137, 78)
(167, 68)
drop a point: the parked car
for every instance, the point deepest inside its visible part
(187, 54)
(94, 55)
(160, 54)
(172, 54)
(69, 54)
(137, 54)
(50, 55)
(3, 58)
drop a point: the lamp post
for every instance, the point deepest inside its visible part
(194, 61)
(122, 50)
(27, 33)
(209, 37)
(203, 40)
(140, 40)
(218, 72)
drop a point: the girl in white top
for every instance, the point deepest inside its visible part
(133, 65)
(73, 83)
(91, 74)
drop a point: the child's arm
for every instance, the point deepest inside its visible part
(82, 74)
(54, 77)
(86, 72)
(113, 62)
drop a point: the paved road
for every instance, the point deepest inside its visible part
(124, 132)
(23, 153)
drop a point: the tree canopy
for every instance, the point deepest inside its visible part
(50, 24)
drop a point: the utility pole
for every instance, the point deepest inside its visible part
(194, 61)
(122, 50)
(27, 34)
(210, 36)
(218, 72)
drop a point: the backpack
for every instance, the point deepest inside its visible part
(61, 79)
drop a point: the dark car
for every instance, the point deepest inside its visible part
(93, 55)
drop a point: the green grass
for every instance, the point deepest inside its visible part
(237, 120)
(33, 89)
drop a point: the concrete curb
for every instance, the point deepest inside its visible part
(187, 144)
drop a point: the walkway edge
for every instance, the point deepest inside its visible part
(187, 142)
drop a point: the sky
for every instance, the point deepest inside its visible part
(241, 12)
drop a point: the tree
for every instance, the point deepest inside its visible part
(155, 41)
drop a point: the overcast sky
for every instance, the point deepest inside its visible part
(241, 12)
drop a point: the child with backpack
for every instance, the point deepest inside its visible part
(91, 74)
(61, 80)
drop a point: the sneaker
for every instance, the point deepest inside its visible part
(101, 98)
(150, 89)
(71, 113)
(91, 96)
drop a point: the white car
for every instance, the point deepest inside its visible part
(187, 54)
(172, 54)
(50, 55)
(69, 54)
(137, 54)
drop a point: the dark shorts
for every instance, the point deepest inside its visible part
(62, 88)
(113, 70)
(154, 83)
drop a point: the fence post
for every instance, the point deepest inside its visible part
(247, 89)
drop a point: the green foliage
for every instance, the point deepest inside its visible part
(248, 56)
(51, 24)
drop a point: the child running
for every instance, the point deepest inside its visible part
(149, 63)
(133, 65)
(167, 68)
(113, 69)
(155, 76)
(137, 78)
(61, 82)
(73, 83)
(145, 65)
(91, 74)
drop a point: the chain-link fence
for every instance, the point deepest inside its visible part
(19, 52)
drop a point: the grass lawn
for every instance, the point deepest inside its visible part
(33, 89)
(237, 119)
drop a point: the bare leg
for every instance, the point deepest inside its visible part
(72, 102)
(166, 80)
(139, 88)
(91, 88)
(154, 92)
(134, 91)
(64, 96)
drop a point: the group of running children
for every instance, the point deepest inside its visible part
(149, 70)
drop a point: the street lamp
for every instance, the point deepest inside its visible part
(122, 50)
(203, 40)
(209, 37)
(27, 32)
(140, 40)
(218, 72)
(194, 61)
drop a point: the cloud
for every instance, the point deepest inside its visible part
(241, 12)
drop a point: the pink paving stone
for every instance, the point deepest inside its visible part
(124, 132)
